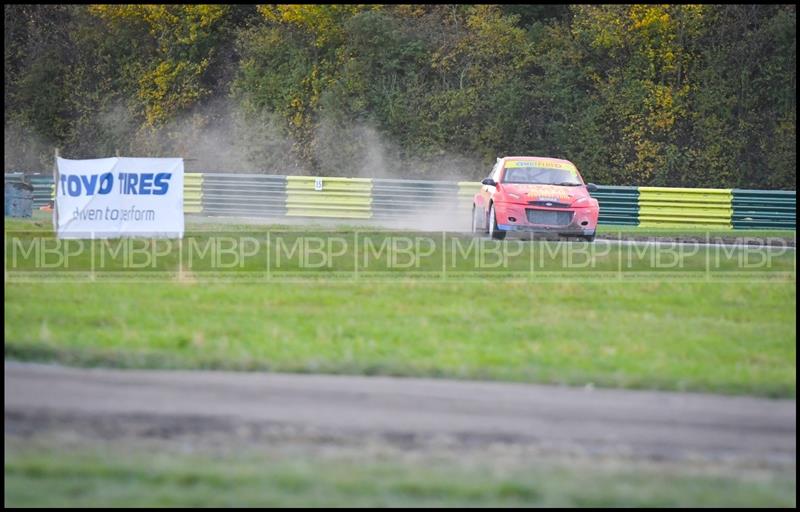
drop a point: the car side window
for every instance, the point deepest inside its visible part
(491, 173)
(496, 172)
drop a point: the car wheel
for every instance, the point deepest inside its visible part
(492, 222)
(589, 238)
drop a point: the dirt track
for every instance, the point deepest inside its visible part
(658, 425)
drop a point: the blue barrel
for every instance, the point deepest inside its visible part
(18, 199)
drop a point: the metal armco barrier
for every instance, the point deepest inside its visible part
(403, 198)
(764, 209)
(618, 205)
(274, 196)
(346, 198)
(244, 195)
(664, 207)
(44, 190)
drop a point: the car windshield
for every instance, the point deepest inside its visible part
(541, 175)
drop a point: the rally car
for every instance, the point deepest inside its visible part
(537, 195)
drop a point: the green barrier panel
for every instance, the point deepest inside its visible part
(44, 190)
(193, 192)
(618, 205)
(309, 196)
(674, 207)
(764, 209)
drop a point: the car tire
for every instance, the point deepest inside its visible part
(589, 238)
(492, 223)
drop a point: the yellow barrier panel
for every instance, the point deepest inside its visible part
(309, 196)
(193, 192)
(666, 207)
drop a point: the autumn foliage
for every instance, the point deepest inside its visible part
(666, 95)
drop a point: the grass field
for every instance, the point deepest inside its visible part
(684, 336)
(709, 319)
(44, 475)
(694, 231)
(534, 318)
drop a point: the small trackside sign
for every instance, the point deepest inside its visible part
(119, 197)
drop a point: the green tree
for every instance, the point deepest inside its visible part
(680, 95)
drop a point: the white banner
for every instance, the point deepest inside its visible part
(119, 197)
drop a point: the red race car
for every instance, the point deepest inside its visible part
(535, 194)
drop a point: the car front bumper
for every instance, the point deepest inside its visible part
(554, 230)
(514, 217)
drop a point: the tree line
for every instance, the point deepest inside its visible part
(661, 95)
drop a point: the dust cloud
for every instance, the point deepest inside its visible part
(220, 138)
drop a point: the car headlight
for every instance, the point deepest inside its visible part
(583, 201)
